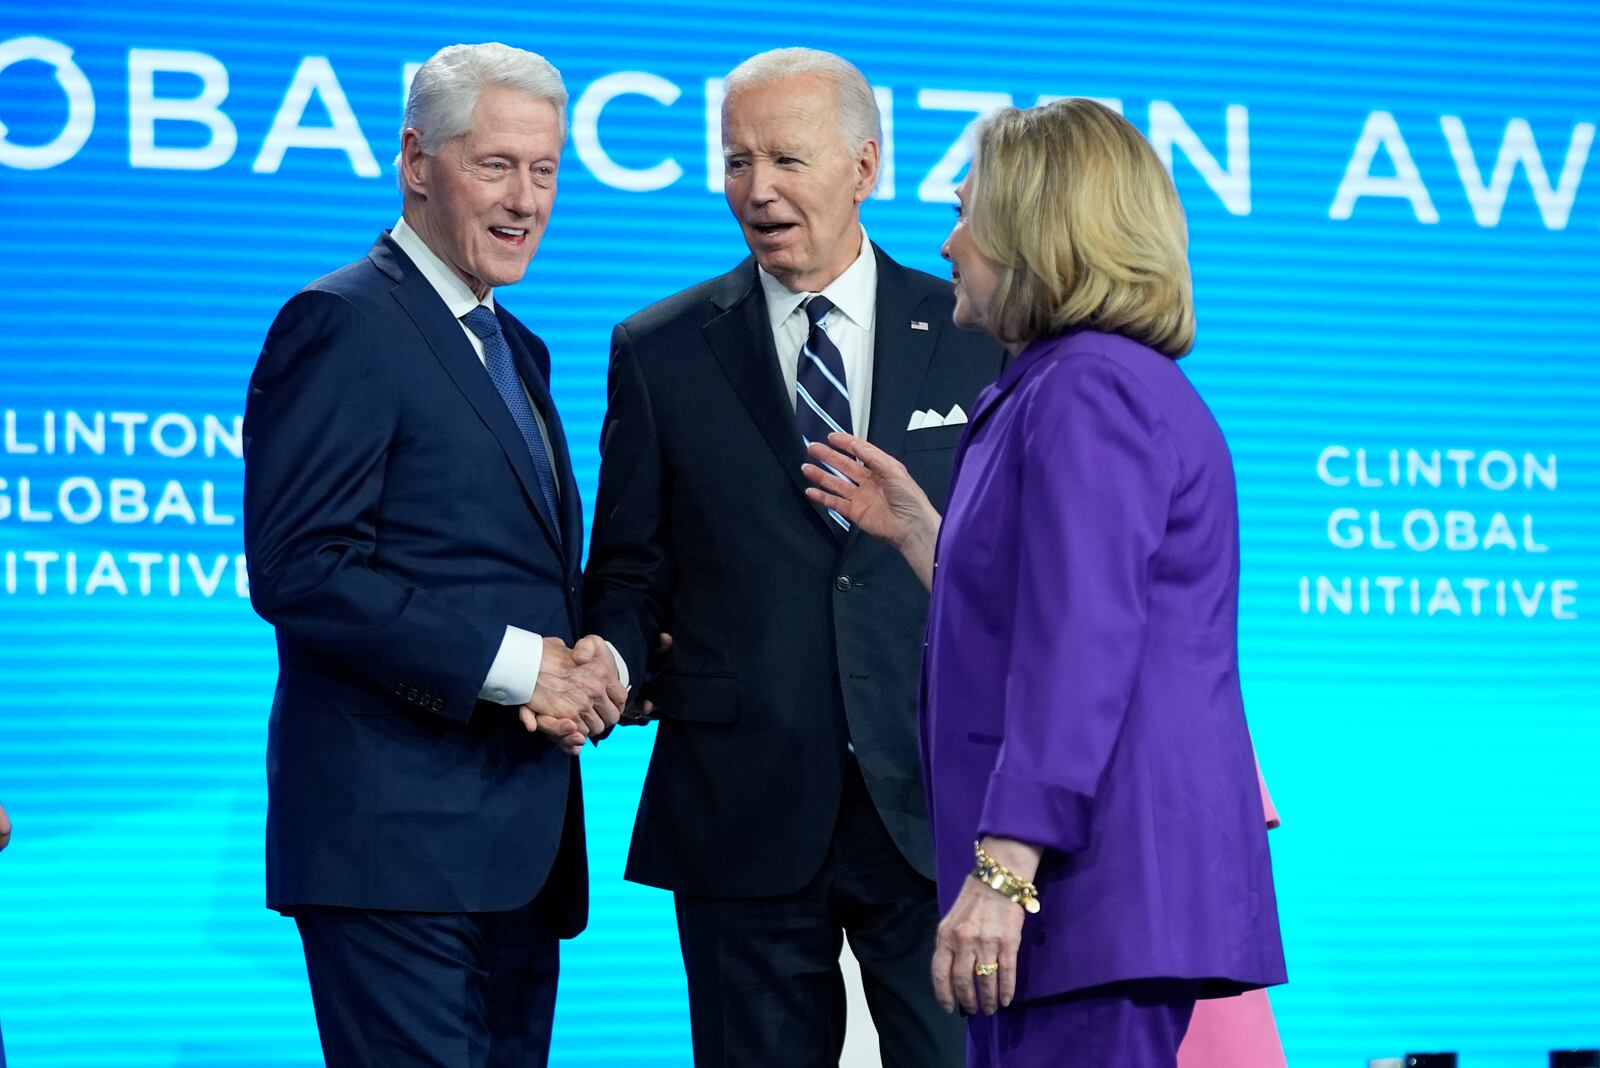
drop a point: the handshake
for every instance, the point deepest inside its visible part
(578, 695)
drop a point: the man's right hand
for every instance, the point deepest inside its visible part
(5, 828)
(576, 696)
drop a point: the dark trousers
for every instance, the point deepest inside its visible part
(442, 990)
(765, 988)
(1124, 1025)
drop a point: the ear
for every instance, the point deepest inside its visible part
(413, 171)
(866, 164)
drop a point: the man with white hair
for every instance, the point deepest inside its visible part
(784, 802)
(413, 533)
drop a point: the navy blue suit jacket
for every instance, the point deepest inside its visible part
(790, 637)
(394, 527)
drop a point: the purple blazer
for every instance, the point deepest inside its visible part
(1080, 684)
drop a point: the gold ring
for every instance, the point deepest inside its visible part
(983, 971)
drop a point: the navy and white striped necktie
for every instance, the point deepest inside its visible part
(822, 399)
(502, 369)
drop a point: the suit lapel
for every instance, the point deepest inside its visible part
(451, 348)
(1011, 373)
(741, 339)
(987, 399)
(901, 356)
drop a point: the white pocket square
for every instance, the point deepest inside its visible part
(927, 420)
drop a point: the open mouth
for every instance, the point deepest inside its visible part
(509, 235)
(772, 229)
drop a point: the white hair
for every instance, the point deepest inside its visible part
(446, 88)
(859, 121)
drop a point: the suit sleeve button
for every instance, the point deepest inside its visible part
(438, 703)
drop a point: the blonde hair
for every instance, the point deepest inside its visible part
(1071, 203)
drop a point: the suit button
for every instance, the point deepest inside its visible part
(438, 703)
(411, 694)
(842, 583)
(399, 689)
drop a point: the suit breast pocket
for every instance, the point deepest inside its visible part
(934, 437)
(693, 698)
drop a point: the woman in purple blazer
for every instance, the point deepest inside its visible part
(1101, 855)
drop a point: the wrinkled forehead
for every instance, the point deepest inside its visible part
(799, 111)
(504, 111)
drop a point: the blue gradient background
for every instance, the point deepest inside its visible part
(1439, 866)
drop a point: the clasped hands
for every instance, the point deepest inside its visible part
(578, 695)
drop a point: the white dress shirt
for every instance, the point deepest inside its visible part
(515, 670)
(855, 300)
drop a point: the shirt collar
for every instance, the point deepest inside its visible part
(855, 292)
(455, 293)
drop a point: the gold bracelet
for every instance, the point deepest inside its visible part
(997, 877)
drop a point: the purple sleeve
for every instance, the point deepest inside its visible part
(1097, 473)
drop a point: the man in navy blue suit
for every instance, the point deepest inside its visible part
(414, 536)
(784, 801)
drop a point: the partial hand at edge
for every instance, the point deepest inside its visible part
(875, 492)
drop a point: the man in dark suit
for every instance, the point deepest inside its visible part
(783, 804)
(414, 533)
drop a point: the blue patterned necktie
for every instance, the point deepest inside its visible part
(503, 371)
(822, 400)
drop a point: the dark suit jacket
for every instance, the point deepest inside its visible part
(791, 636)
(393, 530)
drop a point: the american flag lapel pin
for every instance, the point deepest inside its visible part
(918, 324)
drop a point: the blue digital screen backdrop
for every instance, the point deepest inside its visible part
(1395, 228)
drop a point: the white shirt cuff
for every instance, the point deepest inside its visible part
(515, 670)
(622, 668)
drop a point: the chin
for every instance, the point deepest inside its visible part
(509, 275)
(777, 267)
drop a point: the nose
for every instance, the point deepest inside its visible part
(522, 194)
(944, 249)
(763, 190)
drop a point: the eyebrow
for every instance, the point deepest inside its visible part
(512, 157)
(782, 150)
